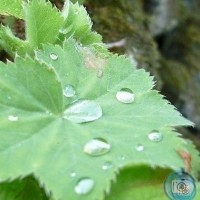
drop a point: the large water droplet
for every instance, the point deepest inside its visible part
(139, 147)
(97, 147)
(125, 95)
(69, 91)
(83, 111)
(84, 186)
(155, 136)
(13, 118)
(107, 165)
(53, 56)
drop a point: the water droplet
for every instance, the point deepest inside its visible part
(53, 56)
(69, 91)
(99, 73)
(122, 158)
(84, 186)
(97, 147)
(155, 136)
(13, 118)
(107, 165)
(9, 97)
(73, 174)
(139, 147)
(125, 95)
(83, 111)
(63, 31)
(76, 13)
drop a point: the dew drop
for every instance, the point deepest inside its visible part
(53, 56)
(69, 91)
(139, 147)
(97, 147)
(76, 13)
(63, 31)
(155, 136)
(84, 186)
(122, 158)
(83, 111)
(99, 73)
(125, 95)
(13, 118)
(73, 174)
(107, 165)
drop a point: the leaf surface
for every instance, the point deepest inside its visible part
(42, 22)
(41, 141)
(11, 7)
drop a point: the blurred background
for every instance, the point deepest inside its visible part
(162, 36)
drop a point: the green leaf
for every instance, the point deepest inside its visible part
(37, 138)
(138, 183)
(42, 22)
(11, 7)
(141, 182)
(12, 44)
(79, 25)
(26, 188)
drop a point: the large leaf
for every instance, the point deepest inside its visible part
(38, 130)
(11, 7)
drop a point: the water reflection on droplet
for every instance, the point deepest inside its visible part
(53, 56)
(73, 174)
(107, 165)
(125, 95)
(84, 186)
(155, 136)
(13, 118)
(97, 147)
(139, 147)
(83, 111)
(69, 91)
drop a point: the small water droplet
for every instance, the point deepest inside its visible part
(125, 95)
(97, 147)
(107, 165)
(53, 56)
(83, 111)
(13, 118)
(139, 147)
(73, 174)
(155, 136)
(63, 31)
(69, 91)
(84, 186)
(122, 158)
(9, 97)
(99, 73)
(76, 13)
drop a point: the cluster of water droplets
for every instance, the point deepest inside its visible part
(84, 110)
